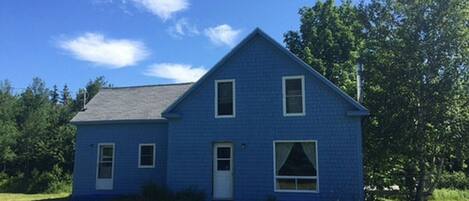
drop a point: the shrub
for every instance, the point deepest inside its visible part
(153, 191)
(455, 180)
(54, 181)
(271, 198)
(190, 194)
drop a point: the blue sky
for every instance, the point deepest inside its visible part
(130, 42)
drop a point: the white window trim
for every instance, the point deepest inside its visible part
(234, 98)
(297, 177)
(284, 78)
(140, 155)
(113, 159)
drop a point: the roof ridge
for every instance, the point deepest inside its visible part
(149, 85)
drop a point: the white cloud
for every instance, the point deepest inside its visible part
(176, 72)
(181, 28)
(112, 53)
(163, 8)
(222, 34)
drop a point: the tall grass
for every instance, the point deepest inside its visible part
(450, 195)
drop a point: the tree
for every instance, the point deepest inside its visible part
(329, 40)
(415, 60)
(54, 95)
(91, 89)
(8, 130)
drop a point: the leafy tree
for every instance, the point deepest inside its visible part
(415, 60)
(329, 40)
(91, 89)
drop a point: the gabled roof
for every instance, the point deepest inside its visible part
(138, 103)
(360, 109)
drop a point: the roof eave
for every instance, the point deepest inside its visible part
(118, 121)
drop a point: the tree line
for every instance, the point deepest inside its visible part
(412, 57)
(36, 137)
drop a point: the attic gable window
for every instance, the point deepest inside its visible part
(224, 98)
(293, 96)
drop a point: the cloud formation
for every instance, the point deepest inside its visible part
(222, 34)
(102, 51)
(182, 28)
(164, 9)
(176, 72)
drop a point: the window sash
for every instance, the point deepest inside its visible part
(296, 178)
(225, 100)
(293, 98)
(146, 157)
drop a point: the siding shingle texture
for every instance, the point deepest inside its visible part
(131, 103)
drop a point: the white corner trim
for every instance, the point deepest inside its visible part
(216, 98)
(140, 155)
(284, 95)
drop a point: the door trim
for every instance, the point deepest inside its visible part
(214, 161)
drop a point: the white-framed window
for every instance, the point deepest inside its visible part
(296, 166)
(225, 100)
(293, 90)
(105, 164)
(146, 155)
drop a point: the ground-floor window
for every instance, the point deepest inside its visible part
(146, 156)
(295, 164)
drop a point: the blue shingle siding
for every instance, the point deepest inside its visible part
(128, 178)
(258, 68)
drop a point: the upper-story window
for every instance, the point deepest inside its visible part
(293, 96)
(224, 98)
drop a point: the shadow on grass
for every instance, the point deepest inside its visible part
(54, 199)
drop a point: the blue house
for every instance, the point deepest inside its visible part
(260, 123)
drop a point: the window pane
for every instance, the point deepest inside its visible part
(106, 151)
(223, 165)
(294, 104)
(307, 184)
(146, 160)
(146, 150)
(293, 87)
(147, 155)
(286, 184)
(105, 170)
(293, 95)
(225, 98)
(295, 159)
(223, 152)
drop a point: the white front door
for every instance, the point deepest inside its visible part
(105, 166)
(223, 171)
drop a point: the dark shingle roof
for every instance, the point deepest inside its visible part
(131, 103)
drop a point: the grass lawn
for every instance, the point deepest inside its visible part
(450, 195)
(33, 197)
(445, 195)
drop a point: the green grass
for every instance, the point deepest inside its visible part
(443, 195)
(34, 197)
(450, 195)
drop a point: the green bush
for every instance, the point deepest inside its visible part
(54, 181)
(152, 192)
(190, 194)
(455, 180)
